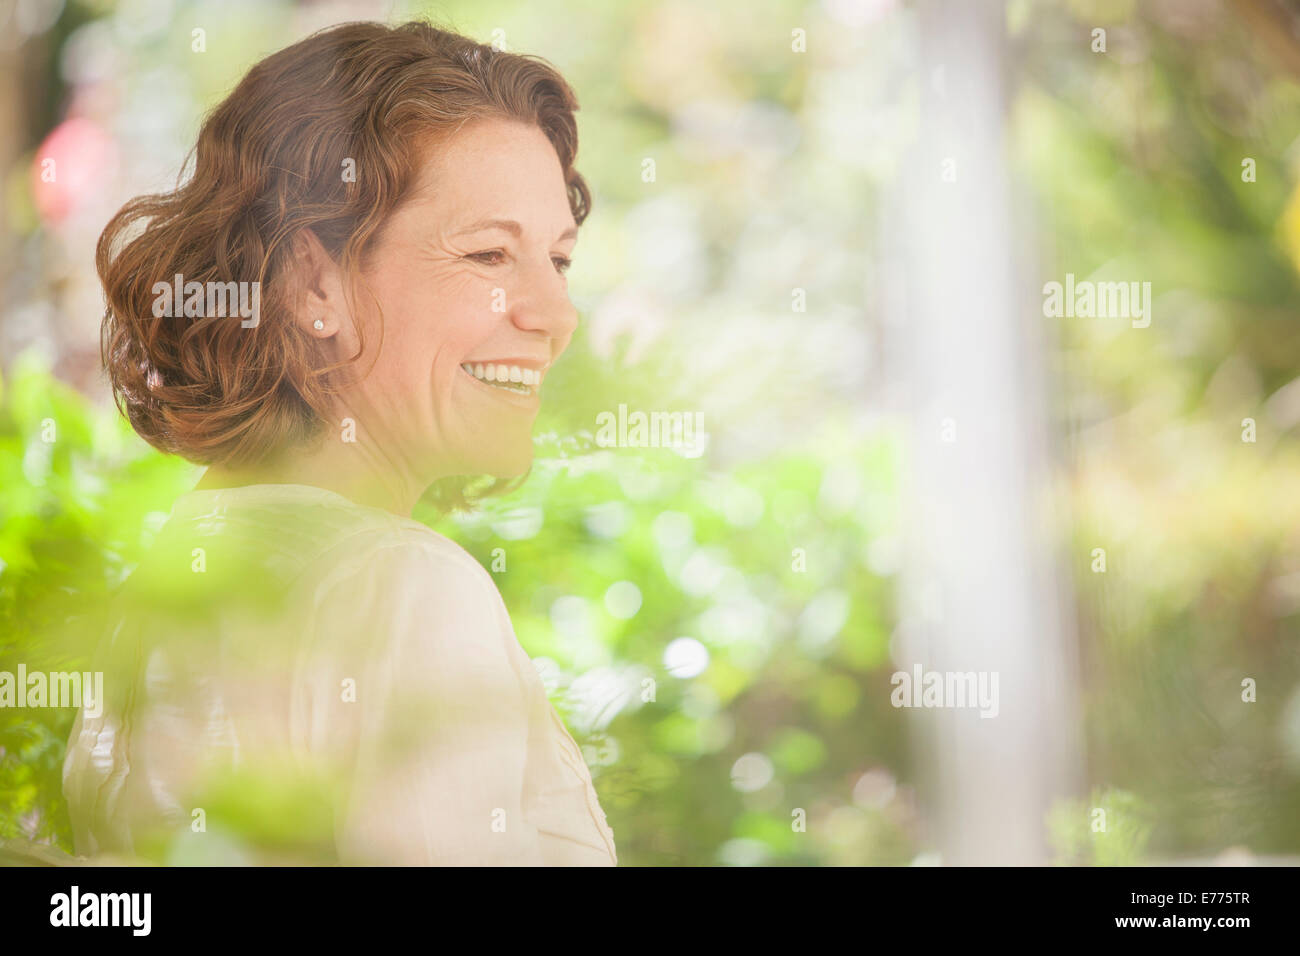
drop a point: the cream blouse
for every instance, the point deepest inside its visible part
(283, 633)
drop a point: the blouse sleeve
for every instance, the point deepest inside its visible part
(437, 722)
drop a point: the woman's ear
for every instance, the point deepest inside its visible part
(322, 308)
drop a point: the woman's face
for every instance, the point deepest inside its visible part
(469, 274)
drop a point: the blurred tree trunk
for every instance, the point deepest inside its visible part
(981, 590)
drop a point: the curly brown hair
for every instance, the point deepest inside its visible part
(267, 164)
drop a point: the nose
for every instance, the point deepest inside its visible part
(542, 303)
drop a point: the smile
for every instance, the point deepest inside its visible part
(508, 378)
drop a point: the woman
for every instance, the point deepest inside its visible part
(298, 666)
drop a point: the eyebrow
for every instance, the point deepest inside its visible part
(512, 227)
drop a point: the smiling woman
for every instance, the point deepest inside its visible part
(405, 201)
(441, 295)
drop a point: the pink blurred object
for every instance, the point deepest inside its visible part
(75, 159)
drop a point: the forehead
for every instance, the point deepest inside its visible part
(493, 167)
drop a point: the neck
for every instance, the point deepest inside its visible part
(353, 470)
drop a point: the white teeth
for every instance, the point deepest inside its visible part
(511, 377)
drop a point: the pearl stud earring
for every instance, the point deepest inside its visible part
(318, 325)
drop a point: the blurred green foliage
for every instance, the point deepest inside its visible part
(1111, 829)
(1173, 158)
(81, 494)
(797, 660)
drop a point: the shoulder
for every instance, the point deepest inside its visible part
(406, 579)
(418, 626)
(422, 620)
(404, 551)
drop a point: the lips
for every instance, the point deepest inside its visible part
(515, 376)
(495, 377)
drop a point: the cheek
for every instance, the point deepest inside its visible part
(407, 346)
(432, 323)
(413, 333)
(459, 323)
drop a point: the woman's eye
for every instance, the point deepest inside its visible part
(495, 257)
